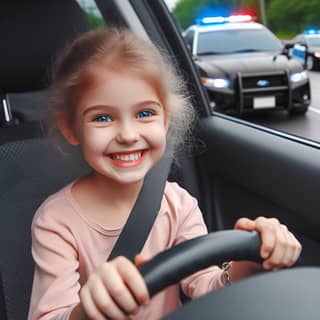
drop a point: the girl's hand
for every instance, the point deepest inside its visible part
(114, 291)
(279, 246)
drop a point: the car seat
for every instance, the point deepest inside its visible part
(31, 167)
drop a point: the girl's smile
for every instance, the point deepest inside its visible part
(128, 159)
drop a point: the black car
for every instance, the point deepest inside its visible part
(245, 68)
(241, 169)
(307, 49)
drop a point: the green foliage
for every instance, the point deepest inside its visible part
(186, 11)
(94, 21)
(284, 17)
(293, 16)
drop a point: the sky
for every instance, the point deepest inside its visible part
(171, 3)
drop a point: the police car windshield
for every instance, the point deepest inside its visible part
(314, 41)
(237, 41)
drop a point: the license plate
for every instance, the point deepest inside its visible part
(264, 102)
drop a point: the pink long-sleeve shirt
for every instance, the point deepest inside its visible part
(67, 247)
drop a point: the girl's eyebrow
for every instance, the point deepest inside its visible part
(147, 102)
(97, 108)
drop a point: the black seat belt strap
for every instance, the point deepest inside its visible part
(144, 212)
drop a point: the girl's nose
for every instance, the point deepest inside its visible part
(127, 134)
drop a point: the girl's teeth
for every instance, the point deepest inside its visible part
(127, 157)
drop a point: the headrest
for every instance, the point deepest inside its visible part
(31, 34)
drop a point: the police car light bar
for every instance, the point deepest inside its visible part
(311, 31)
(234, 18)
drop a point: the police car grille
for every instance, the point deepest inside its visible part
(251, 87)
(261, 81)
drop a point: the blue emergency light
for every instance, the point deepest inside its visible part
(229, 19)
(311, 31)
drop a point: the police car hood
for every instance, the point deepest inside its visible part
(229, 65)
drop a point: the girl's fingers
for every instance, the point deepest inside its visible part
(268, 236)
(289, 248)
(133, 279)
(296, 251)
(279, 246)
(105, 303)
(281, 250)
(118, 291)
(89, 306)
(140, 259)
(245, 224)
(114, 291)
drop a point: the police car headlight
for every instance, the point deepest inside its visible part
(317, 54)
(299, 76)
(216, 83)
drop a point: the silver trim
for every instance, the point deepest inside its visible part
(6, 110)
(268, 130)
(131, 18)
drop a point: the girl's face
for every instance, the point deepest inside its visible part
(121, 127)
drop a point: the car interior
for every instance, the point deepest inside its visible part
(234, 168)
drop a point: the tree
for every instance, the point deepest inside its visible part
(285, 17)
(187, 11)
(292, 17)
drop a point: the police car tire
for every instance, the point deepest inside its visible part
(298, 111)
(310, 63)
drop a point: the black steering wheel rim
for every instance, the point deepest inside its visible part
(188, 257)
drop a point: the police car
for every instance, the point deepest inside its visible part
(245, 67)
(307, 49)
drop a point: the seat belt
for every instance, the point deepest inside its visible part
(144, 212)
(141, 219)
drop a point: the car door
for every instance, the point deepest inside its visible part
(236, 168)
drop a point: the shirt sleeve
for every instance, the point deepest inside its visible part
(192, 225)
(56, 278)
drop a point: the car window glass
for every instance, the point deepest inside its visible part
(260, 82)
(189, 39)
(314, 41)
(92, 12)
(237, 40)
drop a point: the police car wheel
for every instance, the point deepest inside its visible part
(310, 63)
(298, 111)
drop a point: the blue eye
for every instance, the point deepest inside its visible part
(103, 118)
(144, 114)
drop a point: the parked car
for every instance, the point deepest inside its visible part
(245, 68)
(307, 49)
(243, 170)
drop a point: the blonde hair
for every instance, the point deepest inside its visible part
(119, 50)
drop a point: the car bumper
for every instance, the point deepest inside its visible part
(242, 98)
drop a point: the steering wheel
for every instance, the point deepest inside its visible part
(292, 293)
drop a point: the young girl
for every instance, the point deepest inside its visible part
(116, 97)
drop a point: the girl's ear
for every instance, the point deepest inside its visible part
(65, 129)
(166, 121)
